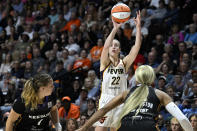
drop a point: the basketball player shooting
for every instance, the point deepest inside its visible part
(113, 72)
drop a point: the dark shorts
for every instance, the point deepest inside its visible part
(138, 125)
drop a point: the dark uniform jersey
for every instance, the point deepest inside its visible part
(145, 118)
(33, 120)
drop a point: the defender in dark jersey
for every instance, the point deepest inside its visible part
(141, 105)
(36, 106)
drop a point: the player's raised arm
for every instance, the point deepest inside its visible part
(104, 55)
(172, 108)
(128, 60)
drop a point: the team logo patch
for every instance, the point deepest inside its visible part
(102, 119)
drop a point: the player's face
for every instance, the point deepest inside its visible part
(114, 49)
(49, 88)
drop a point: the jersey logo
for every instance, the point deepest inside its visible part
(39, 122)
(115, 71)
(102, 119)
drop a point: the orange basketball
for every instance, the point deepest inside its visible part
(120, 13)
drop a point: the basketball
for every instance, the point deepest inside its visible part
(120, 13)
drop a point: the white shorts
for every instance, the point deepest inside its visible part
(111, 115)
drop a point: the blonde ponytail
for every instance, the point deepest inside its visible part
(31, 89)
(29, 94)
(144, 76)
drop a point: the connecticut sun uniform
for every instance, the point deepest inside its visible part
(114, 82)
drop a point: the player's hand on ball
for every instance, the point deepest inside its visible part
(116, 25)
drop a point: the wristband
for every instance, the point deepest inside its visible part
(58, 127)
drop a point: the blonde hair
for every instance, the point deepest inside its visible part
(145, 76)
(31, 87)
(174, 120)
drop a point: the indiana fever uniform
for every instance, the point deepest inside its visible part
(33, 120)
(114, 82)
(145, 118)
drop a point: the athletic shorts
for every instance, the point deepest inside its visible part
(111, 115)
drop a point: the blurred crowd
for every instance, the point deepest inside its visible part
(65, 38)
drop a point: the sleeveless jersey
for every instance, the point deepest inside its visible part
(36, 119)
(114, 82)
(114, 79)
(146, 114)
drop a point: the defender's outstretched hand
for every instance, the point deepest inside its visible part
(137, 20)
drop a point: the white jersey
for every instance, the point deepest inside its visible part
(114, 79)
(114, 82)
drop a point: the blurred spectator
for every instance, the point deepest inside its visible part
(144, 17)
(1, 98)
(61, 22)
(172, 14)
(18, 6)
(29, 19)
(159, 13)
(6, 64)
(67, 12)
(28, 71)
(152, 60)
(67, 60)
(82, 63)
(175, 32)
(91, 107)
(11, 94)
(53, 15)
(172, 93)
(93, 77)
(71, 125)
(191, 36)
(178, 84)
(58, 103)
(188, 89)
(10, 23)
(175, 125)
(74, 91)
(184, 70)
(82, 99)
(37, 60)
(194, 92)
(159, 43)
(95, 52)
(29, 31)
(3, 36)
(60, 76)
(82, 120)
(164, 69)
(56, 50)
(160, 123)
(194, 57)
(72, 46)
(193, 120)
(68, 110)
(22, 59)
(92, 89)
(74, 21)
(131, 77)
(161, 83)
